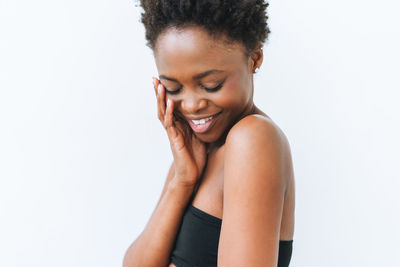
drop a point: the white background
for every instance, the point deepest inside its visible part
(83, 157)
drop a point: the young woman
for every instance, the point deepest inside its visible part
(229, 196)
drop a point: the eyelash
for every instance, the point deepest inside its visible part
(211, 90)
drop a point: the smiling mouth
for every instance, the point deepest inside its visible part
(204, 124)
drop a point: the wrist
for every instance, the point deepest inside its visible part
(178, 184)
(179, 192)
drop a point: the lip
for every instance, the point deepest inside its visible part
(201, 128)
(202, 117)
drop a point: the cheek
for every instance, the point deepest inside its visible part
(235, 92)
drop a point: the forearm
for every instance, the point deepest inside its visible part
(154, 245)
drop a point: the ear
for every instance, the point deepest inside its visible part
(256, 59)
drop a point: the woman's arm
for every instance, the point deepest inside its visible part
(255, 180)
(154, 244)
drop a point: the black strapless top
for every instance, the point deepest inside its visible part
(196, 244)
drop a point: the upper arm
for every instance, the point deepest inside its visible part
(254, 187)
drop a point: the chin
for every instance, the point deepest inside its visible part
(205, 138)
(209, 139)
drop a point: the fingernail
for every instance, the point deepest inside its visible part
(159, 88)
(168, 102)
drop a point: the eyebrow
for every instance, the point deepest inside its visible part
(195, 77)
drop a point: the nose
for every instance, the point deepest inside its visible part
(192, 104)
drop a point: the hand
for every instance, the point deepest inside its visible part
(188, 151)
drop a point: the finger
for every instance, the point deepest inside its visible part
(172, 134)
(168, 122)
(160, 104)
(155, 82)
(180, 125)
(184, 126)
(159, 115)
(161, 93)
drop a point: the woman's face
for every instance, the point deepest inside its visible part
(205, 77)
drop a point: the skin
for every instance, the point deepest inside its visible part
(248, 181)
(180, 55)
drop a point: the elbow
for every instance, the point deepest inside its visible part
(137, 262)
(136, 258)
(128, 259)
(132, 257)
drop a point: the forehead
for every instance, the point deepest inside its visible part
(193, 49)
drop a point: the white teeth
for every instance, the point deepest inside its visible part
(202, 121)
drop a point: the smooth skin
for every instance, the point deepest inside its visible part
(249, 178)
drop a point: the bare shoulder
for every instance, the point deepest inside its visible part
(256, 129)
(257, 142)
(256, 176)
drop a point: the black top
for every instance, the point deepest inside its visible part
(196, 244)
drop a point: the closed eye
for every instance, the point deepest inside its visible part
(172, 92)
(214, 89)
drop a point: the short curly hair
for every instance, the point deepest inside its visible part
(240, 20)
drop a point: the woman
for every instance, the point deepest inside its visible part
(228, 199)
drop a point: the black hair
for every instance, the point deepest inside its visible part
(244, 21)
